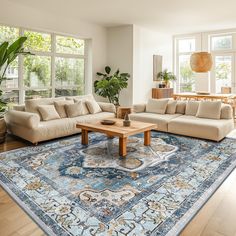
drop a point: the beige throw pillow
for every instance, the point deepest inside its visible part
(157, 106)
(180, 108)
(209, 109)
(171, 107)
(73, 110)
(191, 108)
(60, 107)
(83, 101)
(93, 106)
(48, 112)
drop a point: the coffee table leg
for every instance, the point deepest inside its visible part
(84, 137)
(147, 138)
(122, 146)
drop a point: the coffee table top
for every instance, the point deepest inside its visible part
(117, 129)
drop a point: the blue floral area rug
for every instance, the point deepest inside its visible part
(73, 189)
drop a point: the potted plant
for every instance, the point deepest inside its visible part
(166, 77)
(8, 53)
(110, 85)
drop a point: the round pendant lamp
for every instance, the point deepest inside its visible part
(201, 62)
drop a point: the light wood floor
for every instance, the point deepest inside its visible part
(216, 218)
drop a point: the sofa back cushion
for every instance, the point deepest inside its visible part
(192, 108)
(209, 109)
(171, 107)
(60, 107)
(226, 112)
(93, 106)
(32, 104)
(74, 110)
(180, 107)
(48, 112)
(157, 106)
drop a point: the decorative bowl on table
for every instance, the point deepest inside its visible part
(108, 122)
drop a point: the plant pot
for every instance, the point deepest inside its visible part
(167, 84)
(3, 130)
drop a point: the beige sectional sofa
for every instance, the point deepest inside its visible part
(207, 120)
(26, 122)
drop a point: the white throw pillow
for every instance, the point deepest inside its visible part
(192, 108)
(93, 106)
(209, 109)
(157, 106)
(48, 112)
(74, 110)
(85, 108)
(60, 107)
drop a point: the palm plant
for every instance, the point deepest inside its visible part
(8, 53)
(166, 77)
(111, 85)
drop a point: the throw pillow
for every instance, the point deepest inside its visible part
(209, 109)
(48, 112)
(83, 101)
(73, 110)
(157, 106)
(60, 107)
(191, 108)
(171, 107)
(93, 106)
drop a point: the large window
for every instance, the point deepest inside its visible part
(184, 48)
(56, 68)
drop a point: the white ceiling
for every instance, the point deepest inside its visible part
(172, 16)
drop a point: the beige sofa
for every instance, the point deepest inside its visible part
(25, 121)
(183, 120)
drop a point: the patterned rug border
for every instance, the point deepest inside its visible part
(27, 210)
(199, 204)
(176, 230)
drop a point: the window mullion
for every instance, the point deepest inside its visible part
(21, 75)
(53, 66)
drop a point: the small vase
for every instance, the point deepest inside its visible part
(126, 121)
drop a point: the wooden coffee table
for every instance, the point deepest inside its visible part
(118, 130)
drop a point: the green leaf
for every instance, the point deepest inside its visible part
(108, 70)
(3, 51)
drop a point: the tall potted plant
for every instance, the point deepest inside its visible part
(110, 85)
(166, 77)
(8, 53)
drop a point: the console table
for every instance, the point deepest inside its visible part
(162, 93)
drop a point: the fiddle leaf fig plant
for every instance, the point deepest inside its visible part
(8, 53)
(110, 85)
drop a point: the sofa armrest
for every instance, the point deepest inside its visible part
(107, 107)
(21, 118)
(137, 108)
(226, 112)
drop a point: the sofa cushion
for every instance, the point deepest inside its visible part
(93, 106)
(209, 109)
(85, 108)
(107, 107)
(60, 107)
(226, 112)
(48, 112)
(32, 104)
(200, 127)
(157, 106)
(160, 119)
(180, 107)
(76, 109)
(171, 107)
(191, 108)
(139, 107)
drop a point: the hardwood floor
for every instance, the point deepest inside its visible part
(216, 218)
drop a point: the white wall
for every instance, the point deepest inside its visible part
(146, 44)
(16, 14)
(120, 55)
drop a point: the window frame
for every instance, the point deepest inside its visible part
(52, 54)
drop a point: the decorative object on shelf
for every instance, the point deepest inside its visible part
(8, 53)
(110, 85)
(165, 77)
(161, 85)
(201, 62)
(126, 121)
(121, 111)
(108, 122)
(157, 66)
(162, 93)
